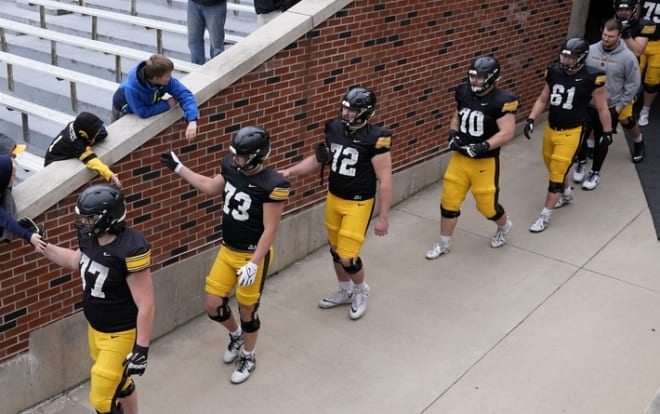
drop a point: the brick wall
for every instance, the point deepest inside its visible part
(411, 53)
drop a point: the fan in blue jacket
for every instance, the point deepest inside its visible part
(143, 91)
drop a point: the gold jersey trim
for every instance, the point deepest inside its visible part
(139, 262)
(279, 193)
(384, 142)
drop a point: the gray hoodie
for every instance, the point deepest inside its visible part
(622, 70)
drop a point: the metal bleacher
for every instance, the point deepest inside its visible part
(59, 58)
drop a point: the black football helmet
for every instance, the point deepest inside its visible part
(99, 208)
(362, 100)
(574, 47)
(631, 8)
(486, 67)
(251, 142)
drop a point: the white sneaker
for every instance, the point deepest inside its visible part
(340, 297)
(438, 249)
(565, 198)
(578, 174)
(500, 236)
(592, 181)
(540, 223)
(244, 366)
(359, 304)
(643, 118)
(235, 344)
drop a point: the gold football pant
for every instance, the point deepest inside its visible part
(346, 222)
(481, 175)
(108, 351)
(222, 276)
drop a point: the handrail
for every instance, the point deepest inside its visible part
(95, 14)
(60, 73)
(54, 37)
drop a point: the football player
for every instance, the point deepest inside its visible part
(639, 34)
(568, 88)
(623, 82)
(483, 122)
(76, 140)
(118, 300)
(359, 156)
(644, 31)
(254, 198)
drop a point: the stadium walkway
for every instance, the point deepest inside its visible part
(566, 321)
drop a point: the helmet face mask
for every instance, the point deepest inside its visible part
(99, 208)
(250, 147)
(483, 74)
(573, 54)
(357, 106)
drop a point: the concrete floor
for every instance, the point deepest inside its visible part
(565, 321)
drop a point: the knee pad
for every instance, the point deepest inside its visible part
(127, 392)
(354, 267)
(555, 187)
(335, 256)
(251, 326)
(651, 88)
(224, 312)
(499, 212)
(629, 123)
(448, 213)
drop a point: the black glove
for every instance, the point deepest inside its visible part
(455, 141)
(322, 154)
(171, 161)
(477, 150)
(529, 128)
(626, 31)
(606, 138)
(136, 361)
(29, 224)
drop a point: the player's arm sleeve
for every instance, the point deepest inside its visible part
(139, 257)
(384, 142)
(280, 191)
(510, 105)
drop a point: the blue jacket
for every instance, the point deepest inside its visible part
(136, 95)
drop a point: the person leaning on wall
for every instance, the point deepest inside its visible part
(76, 140)
(142, 93)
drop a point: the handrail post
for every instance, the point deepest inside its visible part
(159, 41)
(95, 34)
(10, 77)
(118, 75)
(53, 53)
(74, 96)
(42, 17)
(26, 127)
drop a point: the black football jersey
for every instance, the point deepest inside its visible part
(352, 176)
(570, 95)
(478, 115)
(107, 300)
(244, 198)
(650, 16)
